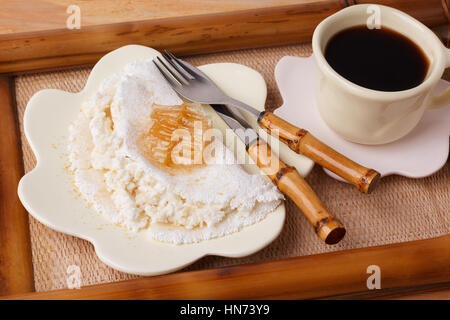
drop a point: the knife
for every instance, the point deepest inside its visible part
(285, 177)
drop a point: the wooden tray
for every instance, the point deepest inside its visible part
(313, 276)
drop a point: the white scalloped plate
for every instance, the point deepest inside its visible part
(48, 194)
(419, 154)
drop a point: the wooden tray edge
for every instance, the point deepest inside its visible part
(56, 49)
(402, 265)
(16, 269)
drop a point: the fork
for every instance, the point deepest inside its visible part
(194, 85)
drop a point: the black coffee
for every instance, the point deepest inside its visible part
(378, 59)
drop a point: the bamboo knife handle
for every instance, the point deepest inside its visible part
(292, 184)
(303, 142)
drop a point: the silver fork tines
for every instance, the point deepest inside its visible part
(164, 68)
(191, 83)
(180, 66)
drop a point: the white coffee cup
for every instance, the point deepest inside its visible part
(369, 116)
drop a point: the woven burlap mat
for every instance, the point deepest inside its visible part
(400, 209)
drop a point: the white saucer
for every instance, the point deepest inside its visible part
(421, 153)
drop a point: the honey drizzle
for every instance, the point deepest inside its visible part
(159, 142)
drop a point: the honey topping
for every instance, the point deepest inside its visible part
(175, 141)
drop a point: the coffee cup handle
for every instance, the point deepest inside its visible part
(442, 99)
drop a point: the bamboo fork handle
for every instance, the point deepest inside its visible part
(301, 141)
(291, 183)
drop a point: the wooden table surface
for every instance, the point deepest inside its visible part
(20, 16)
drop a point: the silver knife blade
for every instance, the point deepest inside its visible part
(240, 127)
